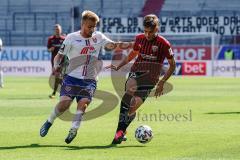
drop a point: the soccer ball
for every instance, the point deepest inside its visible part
(143, 134)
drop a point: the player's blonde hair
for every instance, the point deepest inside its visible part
(89, 15)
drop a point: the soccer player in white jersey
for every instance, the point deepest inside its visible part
(82, 49)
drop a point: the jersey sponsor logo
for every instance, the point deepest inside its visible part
(149, 57)
(154, 48)
(78, 40)
(88, 50)
(56, 45)
(194, 68)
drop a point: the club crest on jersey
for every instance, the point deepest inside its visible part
(154, 48)
(94, 40)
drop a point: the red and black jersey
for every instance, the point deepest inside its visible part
(55, 42)
(151, 55)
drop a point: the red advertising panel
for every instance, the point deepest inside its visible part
(192, 52)
(194, 68)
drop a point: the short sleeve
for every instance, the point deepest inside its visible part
(1, 44)
(66, 46)
(49, 44)
(105, 39)
(136, 45)
(168, 50)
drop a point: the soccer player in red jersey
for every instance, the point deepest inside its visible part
(150, 49)
(54, 43)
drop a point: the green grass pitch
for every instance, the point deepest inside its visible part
(207, 125)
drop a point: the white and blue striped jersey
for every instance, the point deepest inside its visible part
(83, 54)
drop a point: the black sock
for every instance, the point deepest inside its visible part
(130, 119)
(124, 108)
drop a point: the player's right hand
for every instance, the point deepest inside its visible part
(159, 89)
(51, 49)
(56, 71)
(113, 67)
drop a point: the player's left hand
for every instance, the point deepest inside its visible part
(51, 49)
(159, 89)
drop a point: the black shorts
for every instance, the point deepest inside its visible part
(144, 86)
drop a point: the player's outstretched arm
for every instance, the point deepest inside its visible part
(125, 45)
(110, 46)
(125, 61)
(113, 45)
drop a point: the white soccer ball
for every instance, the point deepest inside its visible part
(143, 134)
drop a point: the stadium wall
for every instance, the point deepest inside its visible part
(35, 61)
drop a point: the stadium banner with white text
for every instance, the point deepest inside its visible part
(221, 25)
(192, 68)
(25, 61)
(192, 52)
(186, 52)
(26, 68)
(191, 60)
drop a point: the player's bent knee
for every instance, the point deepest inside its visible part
(138, 100)
(83, 103)
(130, 92)
(131, 86)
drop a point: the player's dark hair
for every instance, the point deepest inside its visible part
(150, 21)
